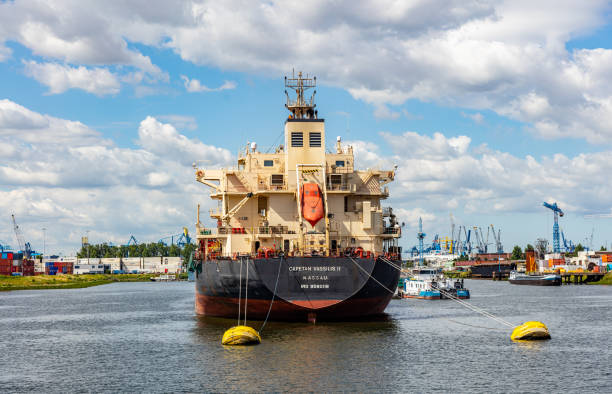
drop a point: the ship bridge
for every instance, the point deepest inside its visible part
(259, 202)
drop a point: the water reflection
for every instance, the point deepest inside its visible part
(145, 337)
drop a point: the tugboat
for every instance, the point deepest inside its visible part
(429, 284)
(522, 278)
(423, 284)
(301, 234)
(455, 288)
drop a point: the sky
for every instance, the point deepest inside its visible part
(488, 108)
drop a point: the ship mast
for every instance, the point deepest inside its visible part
(301, 108)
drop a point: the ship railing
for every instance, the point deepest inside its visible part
(336, 187)
(339, 170)
(273, 230)
(391, 230)
(267, 187)
(207, 231)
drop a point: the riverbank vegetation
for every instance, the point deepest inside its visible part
(39, 282)
(606, 280)
(140, 250)
(458, 274)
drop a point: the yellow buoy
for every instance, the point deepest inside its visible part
(530, 331)
(241, 335)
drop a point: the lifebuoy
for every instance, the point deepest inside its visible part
(199, 173)
(359, 252)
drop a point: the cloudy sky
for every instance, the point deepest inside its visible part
(488, 108)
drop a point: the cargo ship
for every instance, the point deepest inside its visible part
(522, 278)
(301, 234)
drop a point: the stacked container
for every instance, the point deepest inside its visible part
(58, 267)
(27, 267)
(6, 263)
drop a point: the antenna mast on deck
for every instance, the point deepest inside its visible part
(301, 108)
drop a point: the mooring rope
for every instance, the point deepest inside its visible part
(246, 291)
(370, 276)
(273, 294)
(475, 308)
(460, 301)
(239, 290)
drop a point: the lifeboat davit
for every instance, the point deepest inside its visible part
(312, 203)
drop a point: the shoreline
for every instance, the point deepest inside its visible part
(69, 281)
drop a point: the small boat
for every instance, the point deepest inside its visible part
(164, 278)
(522, 278)
(423, 284)
(430, 284)
(454, 288)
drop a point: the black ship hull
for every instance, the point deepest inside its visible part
(307, 288)
(536, 282)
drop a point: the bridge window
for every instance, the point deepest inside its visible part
(297, 139)
(268, 163)
(339, 163)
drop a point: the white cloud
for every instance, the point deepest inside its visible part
(477, 117)
(383, 112)
(180, 121)
(24, 125)
(506, 56)
(5, 53)
(438, 173)
(165, 141)
(59, 78)
(63, 173)
(194, 86)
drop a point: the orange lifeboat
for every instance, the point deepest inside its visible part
(312, 203)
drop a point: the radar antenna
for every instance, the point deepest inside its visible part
(301, 108)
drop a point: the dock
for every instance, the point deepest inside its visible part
(580, 278)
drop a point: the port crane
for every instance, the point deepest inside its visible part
(497, 237)
(557, 212)
(569, 246)
(23, 245)
(421, 236)
(481, 244)
(181, 239)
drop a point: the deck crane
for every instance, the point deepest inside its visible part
(497, 237)
(421, 236)
(23, 245)
(557, 212)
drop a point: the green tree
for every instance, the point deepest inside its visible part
(188, 249)
(602, 249)
(529, 248)
(517, 253)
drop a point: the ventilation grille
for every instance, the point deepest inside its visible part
(277, 180)
(297, 139)
(315, 140)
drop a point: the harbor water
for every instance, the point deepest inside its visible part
(135, 337)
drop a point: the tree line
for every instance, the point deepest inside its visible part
(152, 249)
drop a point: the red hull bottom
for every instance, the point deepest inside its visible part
(287, 311)
(421, 297)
